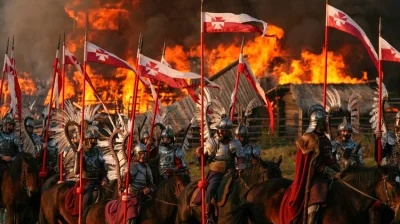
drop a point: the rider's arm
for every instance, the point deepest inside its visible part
(149, 179)
(180, 159)
(76, 163)
(235, 147)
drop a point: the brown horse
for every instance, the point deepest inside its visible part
(19, 183)
(52, 207)
(258, 173)
(161, 207)
(349, 157)
(262, 202)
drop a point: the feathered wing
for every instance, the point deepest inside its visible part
(188, 135)
(197, 114)
(28, 146)
(354, 112)
(374, 112)
(69, 162)
(333, 101)
(254, 103)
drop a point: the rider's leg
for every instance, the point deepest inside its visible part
(214, 178)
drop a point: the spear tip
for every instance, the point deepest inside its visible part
(165, 44)
(241, 48)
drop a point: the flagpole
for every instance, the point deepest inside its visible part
(80, 190)
(130, 139)
(43, 172)
(202, 184)
(326, 52)
(61, 158)
(236, 85)
(4, 70)
(379, 96)
(153, 120)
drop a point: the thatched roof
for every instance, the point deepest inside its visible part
(307, 95)
(183, 110)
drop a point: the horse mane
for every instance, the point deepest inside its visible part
(252, 174)
(15, 169)
(165, 190)
(362, 177)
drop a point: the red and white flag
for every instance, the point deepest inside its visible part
(341, 21)
(245, 69)
(387, 52)
(229, 22)
(99, 55)
(13, 85)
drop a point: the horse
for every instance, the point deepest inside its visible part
(20, 182)
(262, 202)
(52, 206)
(349, 157)
(259, 172)
(161, 207)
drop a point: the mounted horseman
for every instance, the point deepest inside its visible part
(344, 145)
(252, 153)
(10, 145)
(221, 152)
(316, 167)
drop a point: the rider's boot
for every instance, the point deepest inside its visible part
(209, 214)
(312, 214)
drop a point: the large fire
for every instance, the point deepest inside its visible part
(115, 86)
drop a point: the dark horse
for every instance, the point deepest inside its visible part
(161, 207)
(260, 172)
(18, 184)
(262, 202)
(349, 157)
(52, 207)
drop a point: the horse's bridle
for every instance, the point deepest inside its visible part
(389, 199)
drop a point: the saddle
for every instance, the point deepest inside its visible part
(72, 198)
(114, 210)
(224, 189)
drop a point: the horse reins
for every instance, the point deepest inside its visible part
(389, 203)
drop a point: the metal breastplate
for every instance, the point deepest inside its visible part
(52, 154)
(167, 157)
(248, 154)
(139, 179)
(7, 144)
(349, 144)
(38, 141)
(92, 165)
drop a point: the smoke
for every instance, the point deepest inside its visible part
(37, 24)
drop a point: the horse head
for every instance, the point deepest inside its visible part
(29, 173)
(349, 157)
(389, 193)
(181, 180)
(271, 169)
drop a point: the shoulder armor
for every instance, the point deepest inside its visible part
(256, 151)
(134, 169)
(235, 146)
(307, 143)
(210, 147)
(179, 153)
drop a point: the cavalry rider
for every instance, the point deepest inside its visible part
(316, 167)
(171, 157)
(252, 153)
(141, 178)
(94, 170)
(37, 140)
(10, 145)
(221, 151)
(390, 144)
(345, 141)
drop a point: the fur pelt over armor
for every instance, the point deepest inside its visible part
(308, 143)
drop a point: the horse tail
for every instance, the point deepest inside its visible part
(241, 214)
(42, 217)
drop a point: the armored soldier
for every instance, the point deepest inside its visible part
(141, 177)
(37, 140)
(221, 151)
(345, 141)
(316, 167)
(94, 170)
(9, 141)
(252, 153)
(171, 157)
(390, 144)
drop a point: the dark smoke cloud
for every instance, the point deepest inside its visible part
(37, 24)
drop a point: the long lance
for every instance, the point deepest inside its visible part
(80, 189)
(156, 102)
(202, 183)
(379, 140)
(125, 199)
(61, 158)
(43, 172)
(326, 54)
(235, 91)
(4, 70)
